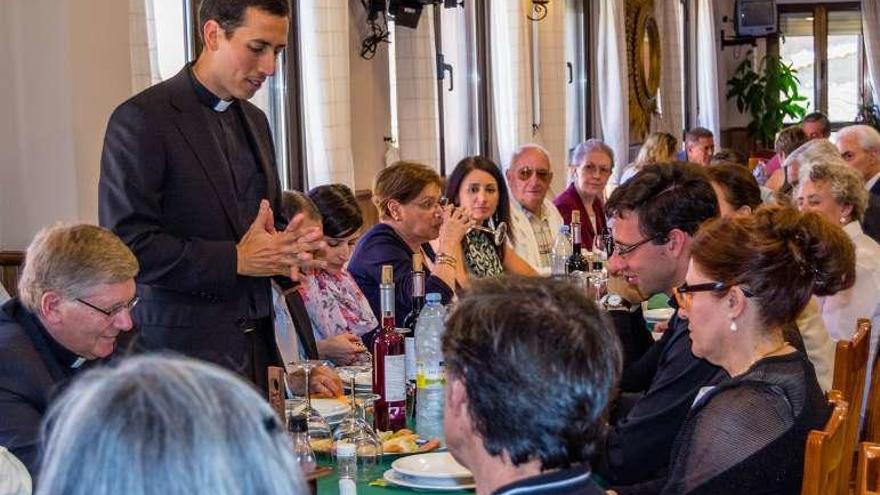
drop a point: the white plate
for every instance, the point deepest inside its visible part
(431, 465)
(441, 485)
(331, 408)
(658, 314)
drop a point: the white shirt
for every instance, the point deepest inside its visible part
(862, 300)
(14, 477)
(526, 241)
(285, 331)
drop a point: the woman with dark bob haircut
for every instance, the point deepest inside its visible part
(411, 214)
(737, 189)
(339, 313)
(477, 184)
(748, 278)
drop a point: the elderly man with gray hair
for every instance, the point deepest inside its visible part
(860, 147)
(534, 219)
(75, 297)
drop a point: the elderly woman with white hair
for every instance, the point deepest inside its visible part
(837, 192)
(159, 425)
(591, 165)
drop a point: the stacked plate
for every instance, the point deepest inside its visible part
(333, 410)
(363, 383)
(434, 471)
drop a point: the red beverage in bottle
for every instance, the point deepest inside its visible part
(389, 362)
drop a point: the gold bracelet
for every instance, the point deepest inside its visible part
(446, 259)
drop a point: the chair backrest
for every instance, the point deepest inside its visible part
(825, 452)
(868, 472)
(871, 431)
(850, 372)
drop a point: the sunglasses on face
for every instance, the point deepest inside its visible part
(684, 293)
(525, 173)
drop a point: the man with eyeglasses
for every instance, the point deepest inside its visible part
(76, 293)
(653, 219)
(534, 219)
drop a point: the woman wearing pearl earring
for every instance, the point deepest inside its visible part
(748, 279)
(838, 193)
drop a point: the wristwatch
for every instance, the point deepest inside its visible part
(616, 302)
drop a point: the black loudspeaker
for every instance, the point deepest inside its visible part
(405, 13)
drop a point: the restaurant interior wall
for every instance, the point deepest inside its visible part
(61, 80)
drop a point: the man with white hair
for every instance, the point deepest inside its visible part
(860, 147)
(534, 219)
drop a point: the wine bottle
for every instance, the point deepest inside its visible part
(409, 328)
(576, 262)
(389, 362)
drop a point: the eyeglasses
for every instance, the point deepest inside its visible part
(431, 203)
(685, 293)
(592, 169)
(526, 173)
(115, 310)
(623, 250)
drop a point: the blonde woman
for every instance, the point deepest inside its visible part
(658, 148)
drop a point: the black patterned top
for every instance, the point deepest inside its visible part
(480, 256)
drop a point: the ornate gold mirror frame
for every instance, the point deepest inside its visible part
(643, 63)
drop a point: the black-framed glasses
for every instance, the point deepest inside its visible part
(684, 292)
(113, 311)
(623, 250)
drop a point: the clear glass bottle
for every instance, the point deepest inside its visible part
(389, 362)
(346, 467)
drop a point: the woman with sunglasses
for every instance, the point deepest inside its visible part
(590, 168)
(748, 278)
(476, 184)
(411, 214)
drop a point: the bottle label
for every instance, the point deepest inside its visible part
(409, 347)
(430, 376)
(395, 378)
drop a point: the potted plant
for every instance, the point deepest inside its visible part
(770, 95)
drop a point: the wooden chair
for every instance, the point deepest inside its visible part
(868, 471)
(850, 371)
(825, 452)
(871, 431)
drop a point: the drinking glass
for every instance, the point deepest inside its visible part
(354, 429)
(319, 430)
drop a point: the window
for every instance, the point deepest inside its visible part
(824, 43)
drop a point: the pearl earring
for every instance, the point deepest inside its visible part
(732, 325)
(842, 220)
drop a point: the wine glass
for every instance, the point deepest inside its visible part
(598, 271)
(319, 429)
(355, 430)
(499, 233)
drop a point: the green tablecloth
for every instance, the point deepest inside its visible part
(330, 484)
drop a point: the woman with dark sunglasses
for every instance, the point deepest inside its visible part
(748, 279)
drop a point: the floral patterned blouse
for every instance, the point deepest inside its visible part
(480, 256)
(336, 304)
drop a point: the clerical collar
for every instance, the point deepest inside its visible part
(64, 356)
(208, 98)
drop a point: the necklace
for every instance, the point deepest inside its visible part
(762, 356)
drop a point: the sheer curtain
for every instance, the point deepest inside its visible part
(670, 120)
(459, 105)
(708, 107)
(325, 82)
(612, 77)
(142, 45)
(871, 33)
(418, 122)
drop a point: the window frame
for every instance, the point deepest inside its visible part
(820, 12)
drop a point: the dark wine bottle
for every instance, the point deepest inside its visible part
(576, 262)
(409, 332)
(389, 362)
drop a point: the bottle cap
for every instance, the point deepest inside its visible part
(345, 449)
(433, 297)
(575, 216)
(417, 262)
(564, 229)
(387, 274)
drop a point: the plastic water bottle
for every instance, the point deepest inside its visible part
(561, 252)
(430, 375)
(346, 466)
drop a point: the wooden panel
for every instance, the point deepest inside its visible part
(10, 269)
